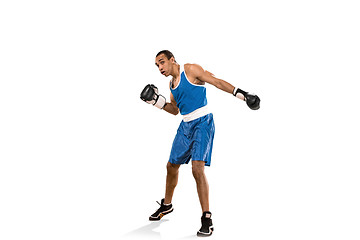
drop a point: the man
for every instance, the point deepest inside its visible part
(194, 138)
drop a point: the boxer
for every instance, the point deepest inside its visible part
(195, 135)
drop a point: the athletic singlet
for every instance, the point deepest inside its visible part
(188, 96)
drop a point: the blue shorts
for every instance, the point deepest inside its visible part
(194, 140)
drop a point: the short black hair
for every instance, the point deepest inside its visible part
(167, 53)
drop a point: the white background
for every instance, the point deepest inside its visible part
(82, 157)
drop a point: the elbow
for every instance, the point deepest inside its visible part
(175, 112)
(170, 108)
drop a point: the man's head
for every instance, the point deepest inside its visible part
(164, 61)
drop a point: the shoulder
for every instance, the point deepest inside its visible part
(193, 70)
(193, 67)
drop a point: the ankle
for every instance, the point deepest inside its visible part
(207, 214)
(166, 202)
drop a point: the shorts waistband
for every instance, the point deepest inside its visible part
(200, 112)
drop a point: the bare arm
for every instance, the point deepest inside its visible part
(198, 72)
(171, 107)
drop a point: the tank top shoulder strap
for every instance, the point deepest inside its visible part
(180, 72)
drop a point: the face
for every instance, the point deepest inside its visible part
(164, 65)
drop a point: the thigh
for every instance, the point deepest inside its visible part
(202, 141)
(180, 151)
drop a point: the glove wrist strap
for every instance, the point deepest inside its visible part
(160, 102)
(239, 93)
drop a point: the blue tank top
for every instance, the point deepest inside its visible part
(188, 96)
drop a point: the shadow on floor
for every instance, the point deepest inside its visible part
(146, 232)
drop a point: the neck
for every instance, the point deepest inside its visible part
(176, 70)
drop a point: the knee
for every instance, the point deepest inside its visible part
(172, 168)
(198, 172)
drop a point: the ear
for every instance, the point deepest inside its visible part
(172, 59)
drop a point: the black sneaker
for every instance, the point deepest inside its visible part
(206, 225)
(162, 211)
